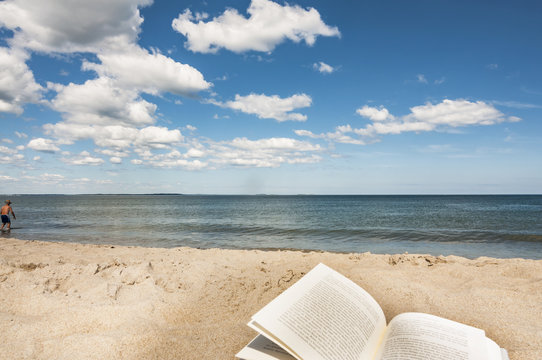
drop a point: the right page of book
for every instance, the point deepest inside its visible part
(324, 316)
(417, 336)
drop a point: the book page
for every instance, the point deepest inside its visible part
(426, 337)
(495, 352)
(324, 316)
(262, 348)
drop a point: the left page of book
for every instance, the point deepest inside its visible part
(324, 316)
(261, 348)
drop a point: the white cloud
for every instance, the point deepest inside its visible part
(421, 78)
(157, 137)
(109, 115)
(7, 151)
(267, 152)
(456, 113)
(124, 69)
(51, 177)
(154, 73)
(274, 144)
(43, 145)
(323, 68)
(21, 135)
(113, 153)
(195, 153)
(72, 25)
(270, 152)
(17, 83)
(172, 159)
(268, 25)
(429, 117)
(116, 136)
(101, 101)
(339, 135)
(84, 158)
(109, 109)
(269, 107)
(13, 158)
(517, 105)
(7, 178)
(375, 114)
(115, 160)
(183, 163)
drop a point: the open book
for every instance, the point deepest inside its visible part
(325, 316)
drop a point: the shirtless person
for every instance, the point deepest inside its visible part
(6, 210)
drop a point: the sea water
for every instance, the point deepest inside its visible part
(472, 226)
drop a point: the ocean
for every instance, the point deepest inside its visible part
(503, 226)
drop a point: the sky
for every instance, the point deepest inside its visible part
(271, 97)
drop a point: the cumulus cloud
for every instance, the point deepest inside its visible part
(17, 83)
(113, 153)
(108, 109)
(323, 67)
(267, 25)
(116, 136)
(456, 113)
(51, 177)
(11, 156)
(43, 145)
(83, 158)
(270, 152)
(195, 153)
(101, 101)
(7, 151)
(269, 107)
(429, 117)
(266, 152)
(375, 114)
(153, 73)
(72, 25)
(171, 159)
(339, 135)
(273, 144)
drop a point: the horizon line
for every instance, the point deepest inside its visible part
(271, 194)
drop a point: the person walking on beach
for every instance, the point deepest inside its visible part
(6, 210)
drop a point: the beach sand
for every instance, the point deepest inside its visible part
(73, 301)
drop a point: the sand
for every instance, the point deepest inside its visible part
(73, 301)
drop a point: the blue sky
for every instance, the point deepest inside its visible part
(245, 97)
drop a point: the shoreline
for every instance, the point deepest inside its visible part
(302, 250)
(71, 300)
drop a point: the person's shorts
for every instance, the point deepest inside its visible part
(5, 219)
